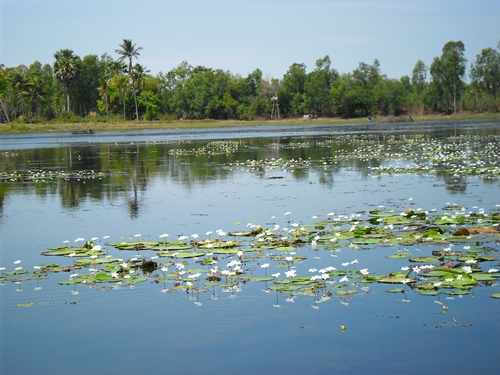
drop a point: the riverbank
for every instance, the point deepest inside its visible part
(21, 128)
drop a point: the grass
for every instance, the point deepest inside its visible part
(49, 127)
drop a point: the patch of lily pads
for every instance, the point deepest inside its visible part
(237, 258)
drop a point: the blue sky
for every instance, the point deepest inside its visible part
(242, 35)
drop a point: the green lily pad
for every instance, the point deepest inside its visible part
(189, 254)
(260, 279)
(346, 291)
(483, 276)
(396, 279)
(495, 295)
(425, 259)
(400, 255)
(134, 280)
(457, 292)
(28, 304)
(427, 292)
(395, 290)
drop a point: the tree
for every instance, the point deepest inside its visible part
(129, 50)
(3, 88)
(66, 69)
(103, 91)
(449, 70)
(291, 93)
(317, 87)
(140, 73)
(120, 82)
(418, 80)
(34, 93)
(485, 73)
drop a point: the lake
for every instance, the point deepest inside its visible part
(313, 249)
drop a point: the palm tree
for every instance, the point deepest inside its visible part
(17, 80)
(66, 69)
(129, 50)
(34, 92)
(3, 87)
(139, 74)
(103, 91)
(120, 81)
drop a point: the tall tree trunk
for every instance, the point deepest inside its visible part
(67, 100)
(4, 109)
(135, 100)
(136, 110)
(455, 98)
(124, 115)
(107, 111)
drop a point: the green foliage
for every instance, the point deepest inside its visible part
(447, 74)
(116, 89)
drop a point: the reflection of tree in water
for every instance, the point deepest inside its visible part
(2, 198)
(69, 190)
(139, 172)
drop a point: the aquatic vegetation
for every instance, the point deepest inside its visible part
(438, 269)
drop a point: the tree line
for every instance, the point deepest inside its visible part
(106, 88)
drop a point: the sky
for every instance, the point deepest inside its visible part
(242, 35)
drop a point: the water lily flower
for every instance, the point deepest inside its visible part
(291, 273)
(276, 275)
(364, 272)
(345, 279)
(493, 270)
(467, 269)
(17, 261)
(265, 265)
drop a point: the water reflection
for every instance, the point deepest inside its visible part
(52, 194)
(125, 171)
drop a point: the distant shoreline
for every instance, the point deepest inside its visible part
(21, 128)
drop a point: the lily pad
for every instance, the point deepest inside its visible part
(400, 255)
(396, 279)
(427, 292)
(346, 291)
(425, 259)
(395, 290)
